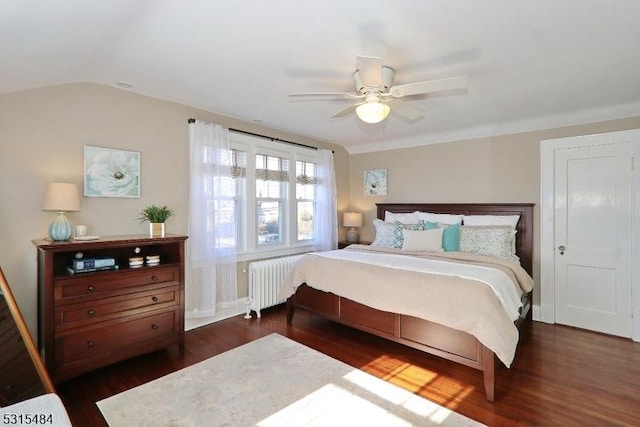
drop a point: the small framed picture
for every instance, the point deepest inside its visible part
(375, 182)
(111, 173)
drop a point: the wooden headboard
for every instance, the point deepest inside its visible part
(524, 235)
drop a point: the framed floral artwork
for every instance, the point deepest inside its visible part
(111, 173)
(375, 182)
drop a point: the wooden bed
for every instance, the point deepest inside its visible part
(429, 337)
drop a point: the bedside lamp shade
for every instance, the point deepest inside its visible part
(61, 197)
(353, 220)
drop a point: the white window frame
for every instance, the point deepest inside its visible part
(248, 248)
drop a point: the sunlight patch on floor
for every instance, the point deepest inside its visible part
(417, 379)
(332, 405)
(362, 400)
(399, 396)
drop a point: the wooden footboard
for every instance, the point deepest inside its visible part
(423, 335)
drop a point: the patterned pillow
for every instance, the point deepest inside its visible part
(398, 238)
(496, 242)
(384, 234)
(495, 221)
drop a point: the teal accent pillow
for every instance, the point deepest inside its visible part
(450, 236)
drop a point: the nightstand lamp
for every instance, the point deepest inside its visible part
(61, 197)
(353, 220)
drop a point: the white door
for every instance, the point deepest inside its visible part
(593, 237)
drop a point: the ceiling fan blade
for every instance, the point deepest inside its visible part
(345, 112)
(324, 95)
(370, 68)
(429, 86)
(300, 94)
(406, 110)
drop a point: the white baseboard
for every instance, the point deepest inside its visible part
(223, 313)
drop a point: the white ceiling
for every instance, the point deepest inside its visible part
(531, 64)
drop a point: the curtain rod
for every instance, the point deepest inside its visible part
(192, 120)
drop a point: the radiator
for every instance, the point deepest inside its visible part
(265, 279)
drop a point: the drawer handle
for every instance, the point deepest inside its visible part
(91, 344)
(154, 326)
(91, 288)
(91, 312)
(154, 278)
(154, 298)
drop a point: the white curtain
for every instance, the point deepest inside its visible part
(325, 222)
(211, 280)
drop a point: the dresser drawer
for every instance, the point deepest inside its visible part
(99, 310)
(96, 285)
(89, 343)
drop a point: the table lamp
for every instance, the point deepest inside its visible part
(353, 220)
(61, 197)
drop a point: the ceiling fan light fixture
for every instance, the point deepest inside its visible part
(372, 112)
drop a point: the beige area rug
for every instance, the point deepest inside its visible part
(273, 382)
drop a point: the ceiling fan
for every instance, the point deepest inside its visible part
(374, 92)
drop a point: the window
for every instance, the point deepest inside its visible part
(272, 181)
(305, 198)
(229, 203)
(274, 206)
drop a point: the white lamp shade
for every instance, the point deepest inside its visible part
(352, 219)
(61, 197)
(372, 112)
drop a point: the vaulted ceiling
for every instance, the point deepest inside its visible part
(530, 65)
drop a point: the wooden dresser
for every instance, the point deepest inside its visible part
(91, 319)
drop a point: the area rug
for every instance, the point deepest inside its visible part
(273, 382)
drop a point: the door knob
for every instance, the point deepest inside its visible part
(561, 248)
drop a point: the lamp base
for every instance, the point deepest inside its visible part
(60, 229)
(352, 235)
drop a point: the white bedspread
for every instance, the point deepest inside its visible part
(496, 280)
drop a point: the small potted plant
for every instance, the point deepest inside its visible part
(156, 216)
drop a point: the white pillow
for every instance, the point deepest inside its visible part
(423, 240)
(510, 220)
(446, 219)
(404, 218)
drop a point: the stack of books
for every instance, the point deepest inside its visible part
(85, 265)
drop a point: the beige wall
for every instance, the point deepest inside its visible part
(43, 131)
(500, 170)
(42, 134)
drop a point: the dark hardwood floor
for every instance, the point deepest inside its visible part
(561, 376)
